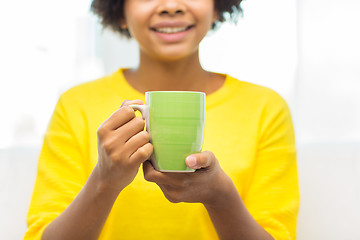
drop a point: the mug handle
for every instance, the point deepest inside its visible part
(143, 109)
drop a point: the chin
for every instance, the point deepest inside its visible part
(172, 58)
(176, 55)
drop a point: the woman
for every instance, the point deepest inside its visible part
(88, 186)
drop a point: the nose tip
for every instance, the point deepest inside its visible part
(165, 12)
(171, 7)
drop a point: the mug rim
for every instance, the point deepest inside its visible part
(148, 92)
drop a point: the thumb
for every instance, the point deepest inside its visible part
(200, 160)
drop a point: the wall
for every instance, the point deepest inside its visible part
(328, 119)
(328, 84)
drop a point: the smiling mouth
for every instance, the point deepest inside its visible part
(171, 30)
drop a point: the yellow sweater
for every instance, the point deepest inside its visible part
(248, 128)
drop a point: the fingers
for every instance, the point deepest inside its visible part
(131, 128)
(150, 174)
(204, 159)
(195, 161)
(142, 154)
(137, 141)
(197, 186)
(115, 139)
(174, 179)
(121, 116)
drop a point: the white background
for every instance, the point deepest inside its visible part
(306, 50)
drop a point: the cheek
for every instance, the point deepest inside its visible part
(135, 16)
(136, 25)
(205, 15)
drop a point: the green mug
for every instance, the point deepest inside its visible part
(175, 121)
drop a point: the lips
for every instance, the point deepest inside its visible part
(170, 30)
(171, 27)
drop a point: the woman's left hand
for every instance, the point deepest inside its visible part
(206, 185)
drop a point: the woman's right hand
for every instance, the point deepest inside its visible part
(123, 146)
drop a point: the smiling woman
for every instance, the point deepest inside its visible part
(52, 47)
(244, 183)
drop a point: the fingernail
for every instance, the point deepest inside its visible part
(191, 161)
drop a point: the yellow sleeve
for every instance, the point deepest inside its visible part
(60, 174)
(273, 196)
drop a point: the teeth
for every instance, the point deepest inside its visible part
(171, 29)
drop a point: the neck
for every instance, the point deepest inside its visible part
(185, 74)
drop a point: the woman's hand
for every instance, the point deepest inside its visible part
(206, 185)
(123, 146)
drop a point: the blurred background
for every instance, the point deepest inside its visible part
(308, 51)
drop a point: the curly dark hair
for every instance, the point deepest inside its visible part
(111, 12)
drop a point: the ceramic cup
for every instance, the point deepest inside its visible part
(175, 121)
